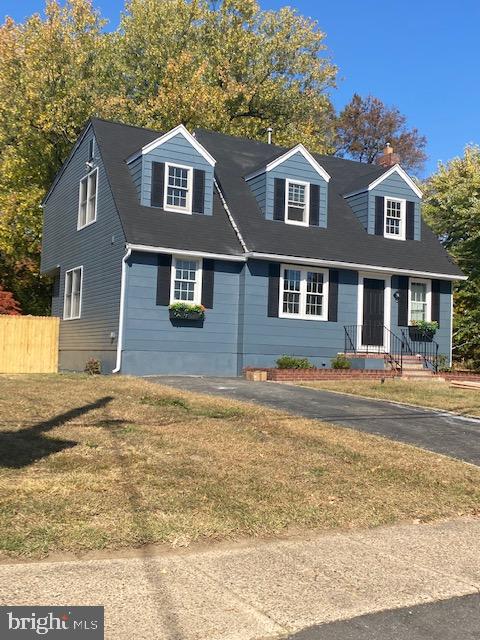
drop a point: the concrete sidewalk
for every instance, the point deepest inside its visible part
(259, 590)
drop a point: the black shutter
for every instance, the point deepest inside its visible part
(333, 295)
(379, 215)
(273, 289)
(314, 205)
(158, 178)
(410, 226)
(208, 276)
(198, 191)
(402, 301)
(436, 301)
(164, 274)
(279, 200)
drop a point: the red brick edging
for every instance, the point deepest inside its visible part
(459, 375)
(285, 375)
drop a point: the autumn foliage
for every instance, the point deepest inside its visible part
(8, 305)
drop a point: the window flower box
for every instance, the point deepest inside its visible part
(187, 312)
(422, 331)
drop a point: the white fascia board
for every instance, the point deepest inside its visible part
(352, 265)
(183, 252)
(180, 129)
(299, 148)
(395, 169)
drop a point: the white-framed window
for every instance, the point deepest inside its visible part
(178, 188)
(72, 301)
(419, 300)
(297, 197)
(395, 218)
(303, 293)
(186, 283)
(87, 201)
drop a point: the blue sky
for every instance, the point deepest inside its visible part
(422, 56)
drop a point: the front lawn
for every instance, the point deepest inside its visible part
(437, 395)
(103, 462)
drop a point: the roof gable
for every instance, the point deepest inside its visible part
(180, 129)
(299, 148)
(395, 169)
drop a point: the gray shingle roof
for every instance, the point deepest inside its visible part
(344, 239)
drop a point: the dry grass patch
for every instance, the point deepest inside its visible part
(438, 395)
(91, 463)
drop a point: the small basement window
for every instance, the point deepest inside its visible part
(303, 293)
(72, 304)
(178, 188)
(296, 205)
(186, 280)
(394, 218)
(87, 206)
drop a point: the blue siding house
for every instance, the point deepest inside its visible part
(202, 253)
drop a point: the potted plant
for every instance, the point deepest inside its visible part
(186, 311)
(422, 330)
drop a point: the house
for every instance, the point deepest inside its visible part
(289, 252)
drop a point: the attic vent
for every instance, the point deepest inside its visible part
(269, 135)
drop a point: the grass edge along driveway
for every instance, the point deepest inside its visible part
(113, 462)
(433, 395)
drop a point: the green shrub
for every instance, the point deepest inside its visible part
(291, 362)
(93, 367)
(341, 362)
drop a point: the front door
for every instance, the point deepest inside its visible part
(373, 312)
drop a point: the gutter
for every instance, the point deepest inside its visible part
(118, 363)
(351, 265)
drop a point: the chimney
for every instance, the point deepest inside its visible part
(388, 159)
(269, 135)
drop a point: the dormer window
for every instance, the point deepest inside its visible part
(297, 199)
(394, 218)
(178, 188)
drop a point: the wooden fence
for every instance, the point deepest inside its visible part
(28, 344)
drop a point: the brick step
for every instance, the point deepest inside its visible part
(413, 366)
(412, 375)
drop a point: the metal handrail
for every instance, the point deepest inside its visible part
(394, 350)
(426, 348)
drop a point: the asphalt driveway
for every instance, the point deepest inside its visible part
(437, 431)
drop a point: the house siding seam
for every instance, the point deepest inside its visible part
(176, 150)
(136, 167)
(99, 248)
(359, 205)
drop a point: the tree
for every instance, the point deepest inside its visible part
(366, 125)
(8, 305)
(223, 65)
(452, 208)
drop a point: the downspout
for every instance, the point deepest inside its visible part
(122, 311)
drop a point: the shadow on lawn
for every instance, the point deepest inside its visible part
(21, 448)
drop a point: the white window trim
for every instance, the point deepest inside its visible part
(303, 293)
(305, 222)
(65, 293)
(403, 216)
(429, 298)
(86, 177)
(169, 207)
(197, 293)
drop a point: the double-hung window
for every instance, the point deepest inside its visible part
(87, 207)
(186, 281)
(178, 188)
(296, 202)
(420, 301)
(72, 305)
(394, 218)
(303, 293)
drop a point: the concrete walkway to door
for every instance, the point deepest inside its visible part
(436, 431)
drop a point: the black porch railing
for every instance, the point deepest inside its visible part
(420, 343)
(378, 339)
